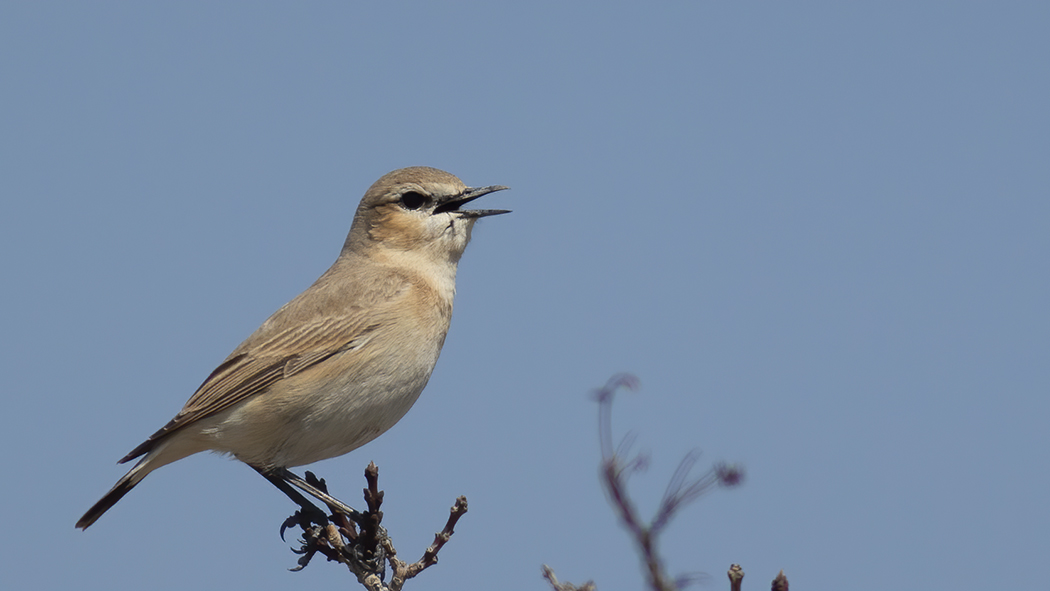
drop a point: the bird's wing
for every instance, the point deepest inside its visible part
(258, 366)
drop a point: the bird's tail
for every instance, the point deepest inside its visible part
(121, 488)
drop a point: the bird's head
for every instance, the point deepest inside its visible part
(417, 210)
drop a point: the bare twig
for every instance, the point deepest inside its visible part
(548, 573)
(736, 576)
(404, 571)
(681, 490)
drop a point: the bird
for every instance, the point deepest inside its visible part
(343, 361)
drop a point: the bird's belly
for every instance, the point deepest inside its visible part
(320, 414)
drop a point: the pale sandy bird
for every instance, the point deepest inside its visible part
(342, 362)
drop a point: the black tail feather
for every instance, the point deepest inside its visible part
(118, 491)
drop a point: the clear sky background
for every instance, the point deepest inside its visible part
(817, 232)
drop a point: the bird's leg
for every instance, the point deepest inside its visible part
(333, 503)
(282, 478)
(309, 511)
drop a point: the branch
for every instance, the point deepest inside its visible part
(736, 576)
(359, 541)
(403, 571)
(780, 583)
(548, 573)
(681, 490)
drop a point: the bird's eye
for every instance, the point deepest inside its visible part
(412, 200)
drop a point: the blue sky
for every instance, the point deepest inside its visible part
(817, 232)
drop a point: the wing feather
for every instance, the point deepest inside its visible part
(254, 367)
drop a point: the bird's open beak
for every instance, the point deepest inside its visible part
(454, 203)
